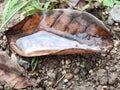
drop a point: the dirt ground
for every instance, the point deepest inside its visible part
(73, 72)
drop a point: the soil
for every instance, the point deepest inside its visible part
(72, 72)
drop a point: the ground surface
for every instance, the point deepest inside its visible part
(74, 72)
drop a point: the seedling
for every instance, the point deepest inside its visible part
(34, 63)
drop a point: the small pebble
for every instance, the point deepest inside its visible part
(105, 88)
(91, 71)
(50, 83)
(62, 61)
(65, 80)
(63, 72)
(78, 63)
(68, 61)
(38, 80)
(69, 76)
(110, 21)
(60, 86)
(76, 70)
(116, 24)
(24, 64)
(116, 43)
(113, 78)
(115, 13)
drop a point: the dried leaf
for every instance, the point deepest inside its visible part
(77, 3)
(12, 78)
(4, 57)
(11, 62)
(60, 31)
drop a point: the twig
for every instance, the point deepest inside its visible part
(58, 81)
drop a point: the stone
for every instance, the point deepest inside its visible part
(60, 86)
(101, 72)
(65, 80)
(68, 61)
(76, 70)
(115, 13)
(116, 43)
(105, 88)
(110, 21)
(69, 76)
(24, 64)
(63, 72)
(112, 77)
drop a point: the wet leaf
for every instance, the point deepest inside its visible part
(60, 31)
(13, 78)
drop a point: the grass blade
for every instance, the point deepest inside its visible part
(14, 10)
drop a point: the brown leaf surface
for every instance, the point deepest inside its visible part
(60, 31)
(11, 62)
(9, 74)
(12, 78)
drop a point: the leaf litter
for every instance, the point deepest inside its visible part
(9, 72)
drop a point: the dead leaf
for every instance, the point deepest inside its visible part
(77, 3)
(11, 62)
(4, 57)
(13, 78)
(60, 31)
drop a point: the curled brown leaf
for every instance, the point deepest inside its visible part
(59, 31)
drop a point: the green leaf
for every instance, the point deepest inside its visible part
(109, 3)
(34, 63)
(10, 12)
(36, 4)
(8, 7)
(46, 5)
(117, 2)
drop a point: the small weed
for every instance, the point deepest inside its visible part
(28, 7)
(34, 63)
(109, 3)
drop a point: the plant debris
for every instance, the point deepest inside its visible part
(13, 78)
(11, 62)
(9, 74)
(59, 31)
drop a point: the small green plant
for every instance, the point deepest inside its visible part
(109, 3)
(12, 7)
(35, 6)
(34, 63)
(26, 6)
